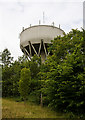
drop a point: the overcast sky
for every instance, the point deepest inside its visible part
(15, 14)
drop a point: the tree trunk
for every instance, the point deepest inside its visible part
(41, 100)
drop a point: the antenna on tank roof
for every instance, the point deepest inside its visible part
(39, 22)
(59, 25)
(43, 17)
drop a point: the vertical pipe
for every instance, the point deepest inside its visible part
(43, 18)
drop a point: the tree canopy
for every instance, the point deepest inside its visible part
(24, 83)
(6, 57)
(65, 76)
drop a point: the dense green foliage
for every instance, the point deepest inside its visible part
(6, 57)
(61, 79)
(64, 73)
(24, 83)
(11, 75)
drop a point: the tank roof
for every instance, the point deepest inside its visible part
(41, 26)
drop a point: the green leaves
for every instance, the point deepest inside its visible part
(6, 57)
(24, 83)
(65, 78)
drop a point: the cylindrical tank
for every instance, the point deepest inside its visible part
(35, 39)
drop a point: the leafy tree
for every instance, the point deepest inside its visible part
(15, 77)
(6, 73)
(24, 83)
(7, 83)
(35, 65)
(22, 59)
(6, 57)
(65, 78)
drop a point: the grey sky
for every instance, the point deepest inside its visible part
(17, 14)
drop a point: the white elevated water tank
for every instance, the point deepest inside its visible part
(35, 39)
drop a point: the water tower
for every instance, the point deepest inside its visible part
(35, 39)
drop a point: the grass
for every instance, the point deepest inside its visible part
(13, 109)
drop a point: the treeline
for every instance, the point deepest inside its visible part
(11, 73)
(61, 79)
